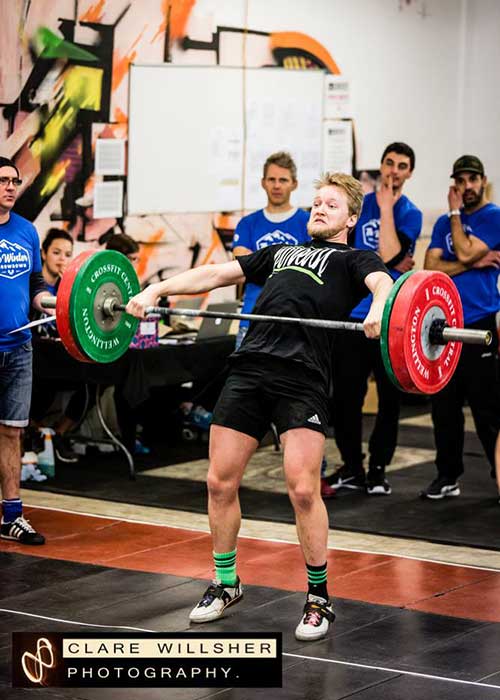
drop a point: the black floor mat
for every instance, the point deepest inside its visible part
(472, 519)
(370, 653)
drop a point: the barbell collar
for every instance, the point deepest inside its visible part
(49, 302)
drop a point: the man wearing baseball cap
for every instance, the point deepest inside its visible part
(465, 244)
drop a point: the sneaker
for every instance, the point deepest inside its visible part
(140, 448)
(376, 483)
(327, 491)
(215, 600)
(441, 488)
(199, 418)
(346, 478)
(324, 467)
(318, 613)
(63, 450)
(20, 530)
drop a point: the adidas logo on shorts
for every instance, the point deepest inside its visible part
(314, 419)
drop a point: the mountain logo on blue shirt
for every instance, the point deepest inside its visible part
(14, 260)
(275, 237)
(370, 233)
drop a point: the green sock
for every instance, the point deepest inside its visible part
(317, 580)
(225, 567)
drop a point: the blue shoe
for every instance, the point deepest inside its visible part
(141, 449)
(199, 418)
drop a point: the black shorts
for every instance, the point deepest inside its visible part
(261, 391)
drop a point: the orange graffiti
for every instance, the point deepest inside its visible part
(120, 65)
(179, 14)
(216, 243)
(94, 12)
(148, 250)
(113, 131)
(302, 42)
(120, 116)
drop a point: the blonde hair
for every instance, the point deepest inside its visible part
(348, 184)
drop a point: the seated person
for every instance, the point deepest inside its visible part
(125, 244)
(57, 251)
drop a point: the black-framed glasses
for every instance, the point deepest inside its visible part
(5, 181)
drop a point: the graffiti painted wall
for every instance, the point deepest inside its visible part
(64, 84)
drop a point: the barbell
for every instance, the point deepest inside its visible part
(421, 337)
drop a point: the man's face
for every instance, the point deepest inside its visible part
(58, 256)
(278, 185)
(397, 166)
(330, 213)
(471, 187)
(8, 191)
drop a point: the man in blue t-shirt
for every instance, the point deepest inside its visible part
(465, 244)
(389, 224)
(21, 286)
(278, 222)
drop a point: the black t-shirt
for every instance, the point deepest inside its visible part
(314, 280)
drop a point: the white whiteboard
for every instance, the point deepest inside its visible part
(199, 136)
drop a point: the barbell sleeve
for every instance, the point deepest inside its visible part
(469, 336)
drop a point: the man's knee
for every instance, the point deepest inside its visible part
(303, 494)
(221, 488)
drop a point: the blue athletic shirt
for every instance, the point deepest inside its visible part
(407, 221)
(477, 287)
(19, 257)
(255, 231)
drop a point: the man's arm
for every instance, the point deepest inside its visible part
(379, 284)
(38, 290)
(36, 303)
(468, 249)
(389, 244)
(241, 250)
(194, 281)
(434, 261)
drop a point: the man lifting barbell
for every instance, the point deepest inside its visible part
(280, 375)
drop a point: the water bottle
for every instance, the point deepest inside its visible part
(46, 459)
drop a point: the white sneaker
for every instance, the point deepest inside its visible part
(215, 600)
(318, 613)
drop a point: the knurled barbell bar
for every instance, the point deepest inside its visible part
(421, 338)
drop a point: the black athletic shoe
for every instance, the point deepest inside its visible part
(63, 450)
(346, 478)
(376, 483)
(442, 487)
(20, 530)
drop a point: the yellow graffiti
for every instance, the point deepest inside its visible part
(81, 89)
(55, 177)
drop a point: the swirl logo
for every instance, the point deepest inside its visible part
(34, 665)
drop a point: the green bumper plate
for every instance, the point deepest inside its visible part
(386, 321)
(103, 338)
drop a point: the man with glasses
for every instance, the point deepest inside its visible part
(21, 286)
